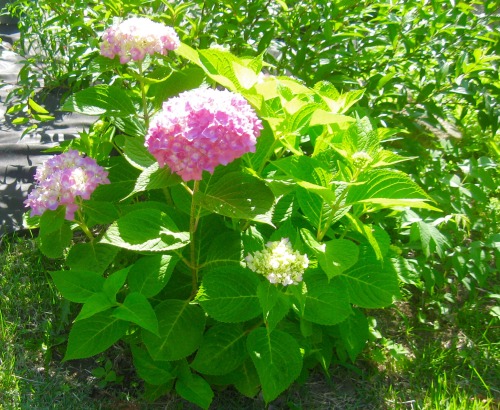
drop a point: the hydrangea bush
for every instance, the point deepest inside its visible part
(240, 239)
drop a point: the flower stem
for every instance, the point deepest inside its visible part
(143, 94)
(193, 225)
(84, 228)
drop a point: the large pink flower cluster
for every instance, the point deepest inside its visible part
(63, 178)
(135, 37)
(200, 129)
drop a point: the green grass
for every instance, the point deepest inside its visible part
(447, 361)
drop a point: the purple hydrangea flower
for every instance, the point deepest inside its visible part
(63, 178)
(135, 37)
(200, 129)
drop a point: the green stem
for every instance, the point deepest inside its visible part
(193, 225)
(143, 95)
(84, 227)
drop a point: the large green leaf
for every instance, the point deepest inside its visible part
(150, 274)
(222, 350)
(101, 100)
(135, 152)
(277, 358)
(246, 379)
(354, 333)
(275, 305)
(195, 389)
(326, 301)
(55, 233)
(155, 177)
(430, 237)
(99, 212)
(98, 302)
(145, 230)
(115, 282)
(371, 283)
(228, 294)
(91, 336)
(90, 256)
(238, 195)
(222, 246)
(383, 188)
(153, 372)
(136, 309)
(180, 326)
(337, 256)
(77, 285)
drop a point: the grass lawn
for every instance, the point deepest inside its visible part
(429, 354)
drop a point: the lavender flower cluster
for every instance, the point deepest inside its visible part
(135, 37)
(200, 129)
(61, 180)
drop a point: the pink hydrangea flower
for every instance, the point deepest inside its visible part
(63, 178)
(200, 129)
(135, 37)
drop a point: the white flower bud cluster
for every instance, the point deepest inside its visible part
(361, 159)
(279, 263)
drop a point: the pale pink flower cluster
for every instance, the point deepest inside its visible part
(135, 37)
(200, 129)
(63, 178)
(279, 263)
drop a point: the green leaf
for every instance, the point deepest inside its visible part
(388, 189)
(115, 282)
(54, 243)
(367, 232)
(98, 302)
(151, 371)
(322, 117)
(326, 302)
(222, 350)
(275, 305)
(36, 107)
(136, 309)
(306, 169)
(238, 195)
(223, 246)
(354, 333)
(246, 379)
(90, 256)
(145, 230)
(218, 65)
(277, 358)
(100, 100)
(155, 177)
(228, 294)
(180, 327)
(430, 237)
(338, 255)
(196, 390)
(371, 283)
(77, 285)
(55, 233)
(136, 153)
(188, 78)
(94, 335)
(99, 212)
(150, 274)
